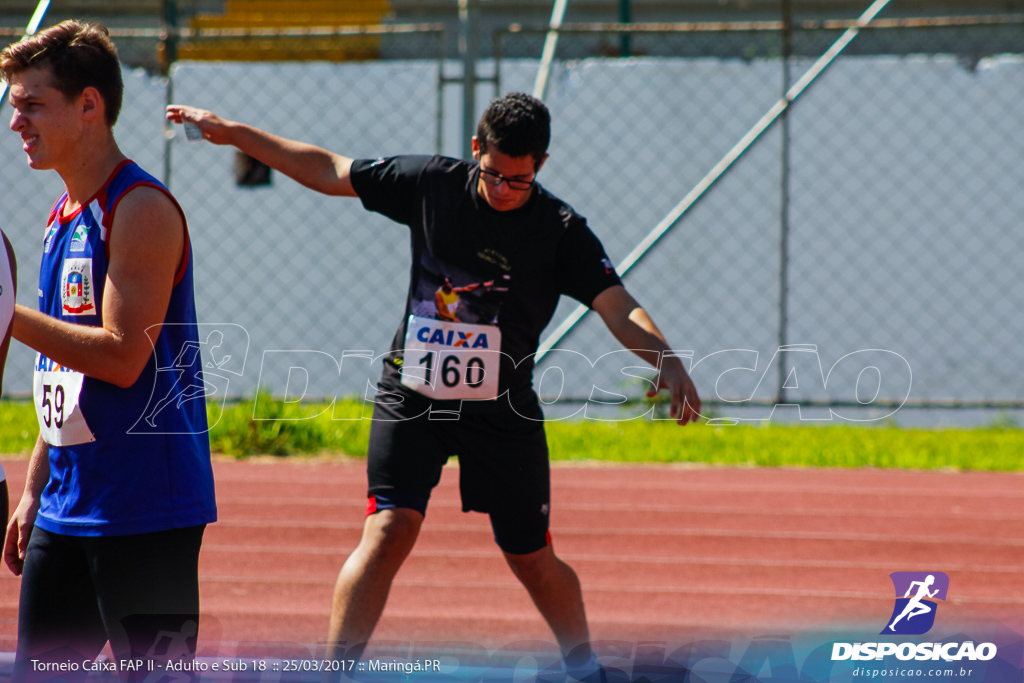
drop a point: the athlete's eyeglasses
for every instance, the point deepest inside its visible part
(495, 179)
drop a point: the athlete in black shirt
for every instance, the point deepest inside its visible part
(492, 253)
(530, 254)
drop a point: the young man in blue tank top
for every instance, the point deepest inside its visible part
(107, 533)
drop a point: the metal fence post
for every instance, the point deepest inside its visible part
(439, 130)
(625, 17)
(169, 18)
(787, 53)
(469, 41)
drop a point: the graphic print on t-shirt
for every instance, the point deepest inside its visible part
(446, 292)
(452, 340)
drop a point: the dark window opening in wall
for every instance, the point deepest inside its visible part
(250, 172)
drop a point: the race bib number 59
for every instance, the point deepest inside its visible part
(448, 360)
(56, 395)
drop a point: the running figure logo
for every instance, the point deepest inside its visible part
(201, 370)
(914, 613)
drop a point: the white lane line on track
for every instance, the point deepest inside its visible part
(969, 489)
(419, 553)
(713, 533)
(454, 504)
(971, 484)
(645, 589)
(460, 617)
(924, 489)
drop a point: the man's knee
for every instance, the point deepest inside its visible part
(392, 531)
(535, 567)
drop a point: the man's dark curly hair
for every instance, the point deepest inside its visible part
(517, 125)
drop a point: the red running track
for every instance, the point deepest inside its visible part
(662, 552)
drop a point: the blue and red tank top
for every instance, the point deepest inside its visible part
(122, 460)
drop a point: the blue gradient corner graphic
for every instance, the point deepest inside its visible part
(916, 606)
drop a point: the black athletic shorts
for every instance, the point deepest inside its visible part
(503, 464)
(139, 592)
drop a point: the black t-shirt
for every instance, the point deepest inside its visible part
(508, 267)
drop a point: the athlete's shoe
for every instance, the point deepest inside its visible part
(588, 672)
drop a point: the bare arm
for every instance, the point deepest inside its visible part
(316, 168)
(473, 287)
(20, 527)
(147, 242)
(5, 345)
(635, 330)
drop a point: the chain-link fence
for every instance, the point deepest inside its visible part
(295, 269)
(27, 196)
(881, 213)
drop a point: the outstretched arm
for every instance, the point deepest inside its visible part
(312, 166)
(473, 287)
(636, 331)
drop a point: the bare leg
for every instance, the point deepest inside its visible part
(365, 579)
(555, 591)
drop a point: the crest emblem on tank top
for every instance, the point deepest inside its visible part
(76, 287)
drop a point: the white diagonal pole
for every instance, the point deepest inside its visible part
(33, 26)
(540, 86)
(721, 167)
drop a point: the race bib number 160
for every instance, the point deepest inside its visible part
(448, 360)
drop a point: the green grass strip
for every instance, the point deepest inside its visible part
(19, 428)
(776, 446)
(270, 427)
(266, 426)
